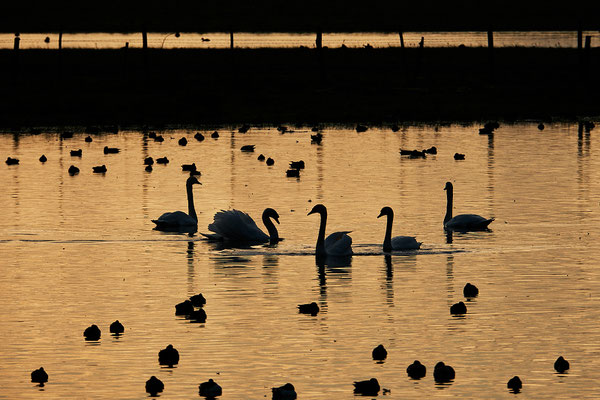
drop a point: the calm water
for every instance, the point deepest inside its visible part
(256, 40)
(78, 250)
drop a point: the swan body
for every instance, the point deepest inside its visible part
(398, 242)
(237, 226)
(337, 244)
(462, 222)
(178, 221)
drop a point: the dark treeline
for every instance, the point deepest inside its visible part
(295, 16)
(45, 87)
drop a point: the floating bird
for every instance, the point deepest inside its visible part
(117, 328)
(73, 170)
(367, 388)
(416, 370)
(39, 376)
(561, 365)
(462, 222)
(148, 168)
(458, 156)
(238, 227)
(92, 333)
(168, 356)
(198, 300)
(541, 128)
(178, 221)
(248, 148)
(310, 308)
(182, 141)
(488, 128)
(470, 290)
(162, 160)
(270, 161)
(210, 389)
(316, 138)
(443, 373)
(336, 244)
(214, 135)
(515, 384)
(152, 135)
(413, 153)
(282, 129)
(398, 242)
(205, 39)
(293, 173)
(12, 161)
(395, 128)
(159, 138)
(198, 315)
(261, 157)
(88, 139)
(154, 386)
(99, 170)
(199, 137)
(285, 392)
(188, 167)
(458, 308)
(184, 308)
(297, 164)
(244, 128)
(110, 150)
(148, 161)
(43, 158)
(361, 128)
(76, 153)
(379, 353)
(431, 150)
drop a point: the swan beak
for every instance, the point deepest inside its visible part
(277, 220)
(380, 215)
(311, 212)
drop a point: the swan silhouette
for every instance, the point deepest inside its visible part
(178, 221)
(398, 242)
(337, 244)
(237, 226)
(462, 222)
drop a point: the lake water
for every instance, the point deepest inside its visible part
(258, 40)
(80, 250)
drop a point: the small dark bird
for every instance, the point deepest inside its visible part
(198, 315)
(458, 156)
(92, 333)
(39, 376)
(379, 353)
(293, 173)
(182, 141)
(117, 328)
(47, 40)
(148, 168)
(210, 389)
(66, 135)
(88, 139)
(285, 392)
(148, 161)
(76, 153)
(184, 308)
(395, 128)
(361, 128)
(188, 167)
(418, 154)
(589, 126)
(43, 158)
(159, 139)
(244, 128)
(458, 308)
(154, 386)
(162, 160)
(541, 128)
(198, 300)
(152, 135)
(561, 365)
(443, 373)
(168, 356)
(367, 388)
(515, 384)
(316, 139)
(12, 161)
(297, 164)
(214, 135)
(270, 161)
(261, 157)
(199, 137)
(110, 150)
(73, 170)
(312, 308)
(431, 150)
(282, 129)
(470, 290)
(100, 169)
(416, 370)
(248, 148)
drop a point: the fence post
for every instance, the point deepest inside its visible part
(319, 41)
(231, 39)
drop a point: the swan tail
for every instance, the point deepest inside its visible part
(339, 244)
(237, 226)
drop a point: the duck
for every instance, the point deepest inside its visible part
(184, 308)
(12, 161)
(148, 161)
(178, 221)
(297, 164)
(76, 153)
(247, 148)
(244, 128)
(99, 169)
(88, 139)
(470, 290)
(116, 328)
(188, 167)
(261, 157)
(458, 308)
(159, 138)
(214, 135)
(317, 138)
(198, 315)
(338, 244)
(198, 300)
(292, 173)
(309, 308)
(210, 389)
(561, 365)
(416, 370)
(182, 141)
(443, 373)
(199, 137)
(111, 150)
(162, 160)
(515, 384)
(459, 156)
(73, 170)
(270, 161)
(92, 333)
(398, 242)
(285, 392)
(238, 227)
(379, 353)
(462, 222)
(39, 376)
(168, 356)
(154, 386)
(43, 158)
(367, 388)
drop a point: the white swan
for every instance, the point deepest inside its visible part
(337, 244)
(178, 221)
(462, 222)
(237, 226)
(398, 242)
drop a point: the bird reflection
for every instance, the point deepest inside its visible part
(389, 280)
(449, 236)
(190, 259)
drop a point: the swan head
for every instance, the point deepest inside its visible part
(319, 208)
(385, 211)
(271, 213)
(448, 186)
(192, 180)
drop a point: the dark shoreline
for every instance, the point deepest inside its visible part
(300, 86)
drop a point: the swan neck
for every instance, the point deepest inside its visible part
(387, 241)
(321, 238)
(273, 234)
(190, 197)
(449, 199)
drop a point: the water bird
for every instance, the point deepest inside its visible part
(148, 161)
(148, 168)
(285, 392)
(198, 300)
(39, 376)
(238, 227)
(159, 139)
(361, 128)
(110, 150)
(489, 127)
(462, 222)
(99, 169)
(541, 128)
(337, 244)
(244, 128)
(162, 160)
(431, 150)
(413, 153)
(261, 157)
(316, 138)
(116, 328)
(459, 156)
(589, 126)
(379, 353)
(73, 170)
(12, 161)
(395, 128)
(88, 139)
(198, 315)
(398, 242)
(205, 39)
(293, 173)
(43, 158)
(188, 167)
(168, 356)
(152, 135)
(178, 221)
(184, 308)
(214, 135)
(561, 365)
(47, 39)
(270, 161)
(199, 137)
(443, 373)
(92, 333)
(470, 290)
(309, 308)
(154, 386)
(182, 141)
(76, 153)
(367, 388)
(210, 389)
(416, 370)
(297, 164)
(248, 148)
(458, 308)
(282, 129)
(515, 384)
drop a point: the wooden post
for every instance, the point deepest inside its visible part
(319, 41)
(17, 41)
(401, 40)
(231, 39)
(144, 39)
(60, 39)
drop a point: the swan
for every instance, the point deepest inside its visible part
(336, 244)
(398, 242)
(179, 221)
(237, 226)
(462, 222)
